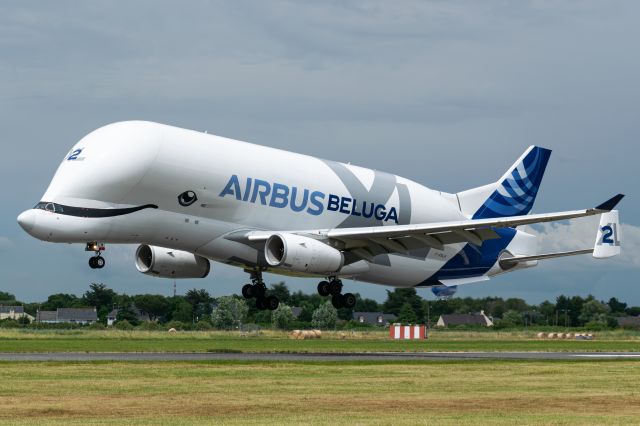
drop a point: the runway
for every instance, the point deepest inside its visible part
(334, 357)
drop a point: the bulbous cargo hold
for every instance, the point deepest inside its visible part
(168, 263)
(302, 254)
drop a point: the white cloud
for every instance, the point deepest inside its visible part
(578, 234)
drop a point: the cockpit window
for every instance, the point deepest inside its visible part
(88, 211)
(50, 207)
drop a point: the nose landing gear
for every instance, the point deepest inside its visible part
(257, 289)
(333, 287)
(97, 261)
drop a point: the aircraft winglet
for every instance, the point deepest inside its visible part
(610, 203)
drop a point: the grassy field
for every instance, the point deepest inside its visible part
(470, 392)
(272, 341)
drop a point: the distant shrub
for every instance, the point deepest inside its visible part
(149, 326)
(202, 326)
(123, 325)
(97, 326)
(353, 324)
(9, 323)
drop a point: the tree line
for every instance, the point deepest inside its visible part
(198, 309)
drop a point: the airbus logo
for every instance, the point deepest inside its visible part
(282, 196)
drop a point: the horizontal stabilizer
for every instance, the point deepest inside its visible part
(510, 262)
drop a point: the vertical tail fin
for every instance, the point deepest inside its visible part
(608, 236)
(513, 194)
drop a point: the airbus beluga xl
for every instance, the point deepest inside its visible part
(188, 197)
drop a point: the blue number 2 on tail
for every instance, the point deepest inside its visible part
(607, 232)
(74, 154)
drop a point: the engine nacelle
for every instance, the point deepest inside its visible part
(168, 263)
(302, 254)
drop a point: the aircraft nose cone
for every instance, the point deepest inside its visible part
(27, 220)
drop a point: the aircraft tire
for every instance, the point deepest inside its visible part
(349, 300)
(92, 262)
(335, 287)
(247, 291)
(259, 290)
(260, 303)
(271, 303)
(323, 288)
(99, 262)
(337, 301)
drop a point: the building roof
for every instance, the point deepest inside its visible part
(46, 316)
(464, 319)
(373, 317)
(628, 321)
(77, 314)
(4, 309)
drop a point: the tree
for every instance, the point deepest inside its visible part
(594, 311)
(407, 314)
(400, 296)
(281, 291)
(6, 297)
(616, 306)
(282, 317)
(182, 311)
(154, 305)
(231, 312)
(325, 316)
(200, 301)
(60, 300)
(99, 296)
(126, 313)
(512, 317)
(367, 305)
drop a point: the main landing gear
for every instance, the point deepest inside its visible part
(333, 287)
(258, 290)
(97, 261)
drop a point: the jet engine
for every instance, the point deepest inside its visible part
(168, 263)
(302, 254)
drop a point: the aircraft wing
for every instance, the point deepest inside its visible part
(366, 242)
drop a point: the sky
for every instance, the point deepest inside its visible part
(447, 93)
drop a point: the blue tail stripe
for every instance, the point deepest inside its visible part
(517, 193)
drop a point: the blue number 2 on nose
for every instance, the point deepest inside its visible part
(607, 232)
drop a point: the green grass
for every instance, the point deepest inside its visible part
(454, 393)
(270, 341)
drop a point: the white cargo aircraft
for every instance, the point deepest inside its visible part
(188, 197)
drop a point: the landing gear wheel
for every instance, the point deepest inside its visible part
(337, 301)
(335, 287)
(259, 290)
(260, 303)
(349, 300)
(248, 291)
(271, 303)
(323, 288)
(92, 263)
(99, 262)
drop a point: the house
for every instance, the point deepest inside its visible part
(629, 322)
(47, 317)
(112, 316)
(464, 319)
(374, 318)
(13, 312)
(68, 315)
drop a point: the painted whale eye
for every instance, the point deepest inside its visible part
(187, 198)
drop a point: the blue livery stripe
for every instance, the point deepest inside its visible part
(516, 194)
